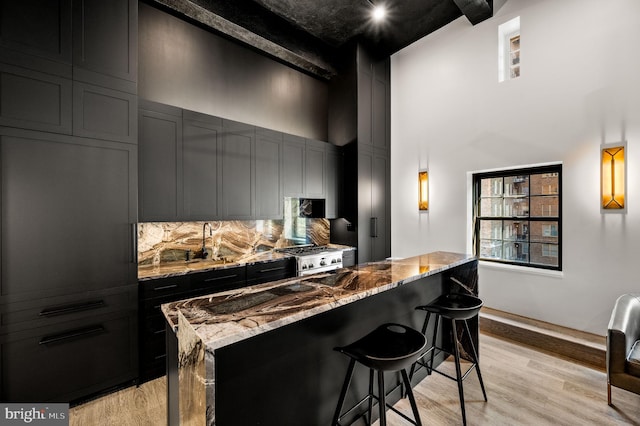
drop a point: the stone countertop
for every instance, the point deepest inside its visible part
(172, 269)
(228, 317)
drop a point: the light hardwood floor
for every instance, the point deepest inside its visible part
(524, 387)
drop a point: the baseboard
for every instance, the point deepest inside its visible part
(585, 348)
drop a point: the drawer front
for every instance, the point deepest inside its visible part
(69, 361)
(218, 280)
(163, 287)
(270, 271)
(21, 316)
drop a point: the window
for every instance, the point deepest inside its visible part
(509, 50)
(517, 216)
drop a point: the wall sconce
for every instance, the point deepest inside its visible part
(613, 176)
(423, 190)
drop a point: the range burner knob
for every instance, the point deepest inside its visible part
(323, 262)
(304, 266)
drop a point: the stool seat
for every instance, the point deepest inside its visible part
(454, 306)
(390, 347)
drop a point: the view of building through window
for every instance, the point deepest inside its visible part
(518, 216)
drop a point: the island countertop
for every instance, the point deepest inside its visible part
(228, 317)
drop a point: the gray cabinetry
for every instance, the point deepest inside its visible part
(105, 43)
(200, 165)
(237, 183)
(69, 207)
(293, 162)
(374, 236)
(160, 166)
(36, 34)
(104, 113)
(268, 191)
(34, 100)
(315, 168)
(332, 179)
(68, 266)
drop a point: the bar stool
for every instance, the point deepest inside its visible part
(390, 347)
(452, 307)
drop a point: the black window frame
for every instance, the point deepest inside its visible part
(535, 170)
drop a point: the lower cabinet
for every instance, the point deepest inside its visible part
(270, 271)
(70, 360)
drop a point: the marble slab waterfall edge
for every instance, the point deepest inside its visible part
(228, 317)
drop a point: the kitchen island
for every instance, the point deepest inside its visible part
(264, 354)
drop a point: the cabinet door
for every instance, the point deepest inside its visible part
(269, 200)
(380, 207)
(104, 113)
(160, 172)
(34, 100)
(237, 184)
(293, 166)
(200, 168)
(105, 43)
(332, 178)
(36, 34)
(69, 205)
(314, 168)
(374, 242)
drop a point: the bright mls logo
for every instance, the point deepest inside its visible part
(37, 414)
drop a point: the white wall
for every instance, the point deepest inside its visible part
(580, 87)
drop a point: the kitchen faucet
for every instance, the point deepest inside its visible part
(202, 253)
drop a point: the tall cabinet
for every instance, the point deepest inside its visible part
(68, 198)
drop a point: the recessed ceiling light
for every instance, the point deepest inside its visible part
(379, 13)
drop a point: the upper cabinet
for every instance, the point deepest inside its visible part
(36, 34)
(202, 136)
(105, 43)
(268, 187)
(194, 166)
(70, 67)
(237, 184)
(315, 168)
(160, 163)
(293, 163)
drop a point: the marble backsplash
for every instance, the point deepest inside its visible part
(162, 242)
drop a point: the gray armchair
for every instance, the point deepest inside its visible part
(623, 345)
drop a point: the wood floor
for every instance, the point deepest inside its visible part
(524, 387)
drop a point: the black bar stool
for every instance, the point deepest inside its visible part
(452, 307)
(390, 347)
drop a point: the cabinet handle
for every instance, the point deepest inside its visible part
(160, 331)
(165, 287)
(159, 357)
(209, 280)
(134, 245)
(73, 334)
(70, 309)
(374, 227)
(262, 271)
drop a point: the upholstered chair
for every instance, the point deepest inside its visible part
(623, 345)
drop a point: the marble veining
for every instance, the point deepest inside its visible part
(228, 317)
(163, 247)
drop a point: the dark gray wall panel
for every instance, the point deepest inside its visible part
(33, 100)
(104, 113)
(183, 65)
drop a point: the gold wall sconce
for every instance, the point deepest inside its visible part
(613, 177)
(423, 190)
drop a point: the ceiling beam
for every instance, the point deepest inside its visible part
(476, 11)
(307, 63)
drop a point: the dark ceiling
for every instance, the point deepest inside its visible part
(309, 34)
